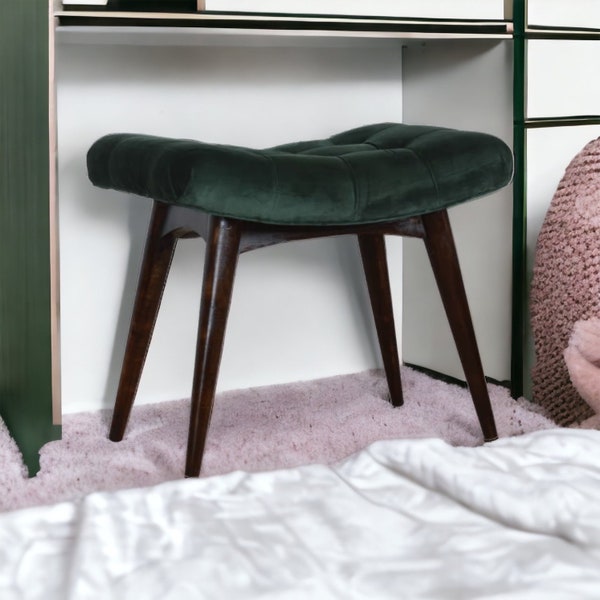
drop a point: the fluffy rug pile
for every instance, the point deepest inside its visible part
(265, 428)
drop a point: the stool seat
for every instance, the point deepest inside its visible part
(371, 174)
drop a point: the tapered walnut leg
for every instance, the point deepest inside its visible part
(374, 259)
(444, 261)
(222, 249)
(155, 268)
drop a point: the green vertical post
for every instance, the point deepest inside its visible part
(25, 297)
(519, 304)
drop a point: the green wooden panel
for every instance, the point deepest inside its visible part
(519, 300)
(25, 339)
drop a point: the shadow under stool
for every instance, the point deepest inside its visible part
(371, 181)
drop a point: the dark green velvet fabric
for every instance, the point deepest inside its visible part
(370, 174)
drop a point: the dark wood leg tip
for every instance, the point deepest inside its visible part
(395, 401)
(115, 436)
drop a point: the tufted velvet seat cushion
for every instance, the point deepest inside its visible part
(376, 173)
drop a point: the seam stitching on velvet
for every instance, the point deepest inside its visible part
(373, 145)
(357, 201)
(275, 185)
(426, 165)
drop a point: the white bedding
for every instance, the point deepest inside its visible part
(518, 518)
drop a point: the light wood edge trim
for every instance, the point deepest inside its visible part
(200, 5)
(53, 225)
(332, 33)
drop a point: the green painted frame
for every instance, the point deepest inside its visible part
(27, 332)
(519, 294)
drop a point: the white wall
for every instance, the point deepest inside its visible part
(571, 13)
(450, 9)
(467, 85)
(299, 310)
(569, 87)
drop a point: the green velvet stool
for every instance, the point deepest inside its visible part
(372, 181)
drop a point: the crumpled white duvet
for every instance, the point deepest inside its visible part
(517, 518)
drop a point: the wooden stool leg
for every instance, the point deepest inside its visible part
(222, 249)
(374, 259)
(444, 262)
(155, 268)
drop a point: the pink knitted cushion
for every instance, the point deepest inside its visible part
(566, 282)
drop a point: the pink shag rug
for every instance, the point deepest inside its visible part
(264, 428)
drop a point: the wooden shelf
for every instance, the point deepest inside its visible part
(295, 24)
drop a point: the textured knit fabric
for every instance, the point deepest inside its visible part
(566, 282)
(370, 174)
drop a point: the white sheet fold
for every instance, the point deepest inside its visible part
(518, 518)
